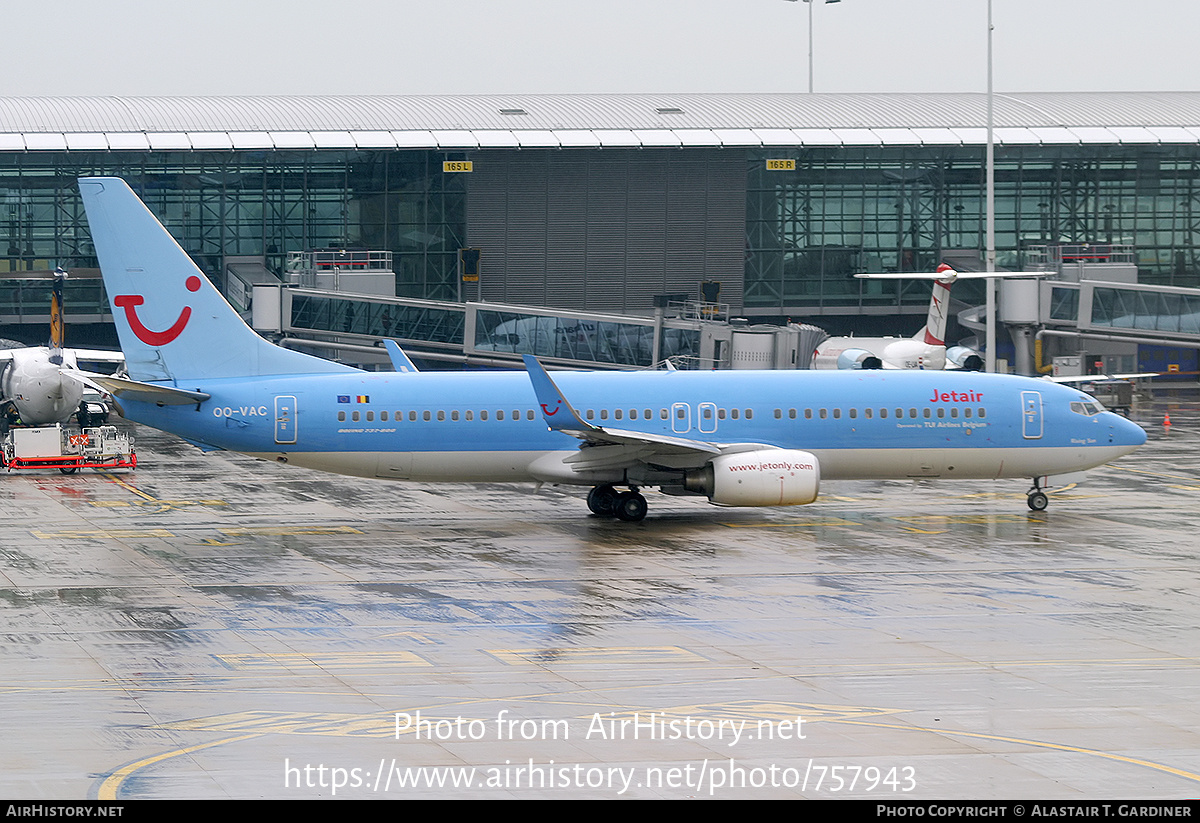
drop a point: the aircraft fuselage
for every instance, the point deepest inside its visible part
(488, 426)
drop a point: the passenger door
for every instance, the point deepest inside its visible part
(1031, 414)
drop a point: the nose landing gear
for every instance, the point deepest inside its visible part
(1037, 499)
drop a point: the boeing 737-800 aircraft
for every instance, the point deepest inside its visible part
(738, 438)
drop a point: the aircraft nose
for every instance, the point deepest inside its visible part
(1126, 433)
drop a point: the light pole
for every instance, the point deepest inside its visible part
(990, 195)
(810, 38)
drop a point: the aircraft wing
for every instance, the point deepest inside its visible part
(604, 447)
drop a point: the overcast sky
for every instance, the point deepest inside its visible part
(192, 47)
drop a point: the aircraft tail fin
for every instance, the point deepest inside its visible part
(172, 322)
(934, 333)
(58, 330)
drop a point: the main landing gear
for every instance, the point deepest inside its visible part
(605, 501)
(1037, 499)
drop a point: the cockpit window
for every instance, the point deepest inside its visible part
(1086, 407)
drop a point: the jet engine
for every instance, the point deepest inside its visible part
(765, 477)
(964, 358)
(846, 359)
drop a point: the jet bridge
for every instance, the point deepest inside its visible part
(493, 334)
(1091, 294)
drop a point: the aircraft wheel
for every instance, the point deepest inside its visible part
(1037, 501)
(68, 469)
(631, 507)
(602, 500)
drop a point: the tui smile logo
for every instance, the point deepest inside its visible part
(130, 302)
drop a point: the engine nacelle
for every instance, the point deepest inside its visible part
(964, 358)
(766, 477)
(846, 359)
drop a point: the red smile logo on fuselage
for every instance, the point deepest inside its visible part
(130, 302)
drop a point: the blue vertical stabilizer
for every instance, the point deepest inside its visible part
(173, 323)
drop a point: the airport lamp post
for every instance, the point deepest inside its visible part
(990, 195)
(810, 38)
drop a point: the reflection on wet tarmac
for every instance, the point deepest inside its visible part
(203, 625)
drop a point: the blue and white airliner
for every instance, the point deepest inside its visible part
(737, 438)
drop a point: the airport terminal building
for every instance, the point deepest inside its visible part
(602, 202)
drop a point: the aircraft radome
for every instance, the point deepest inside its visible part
(737, 438)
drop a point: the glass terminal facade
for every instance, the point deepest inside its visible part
(845, 210)
(219, 204)
(831, 212)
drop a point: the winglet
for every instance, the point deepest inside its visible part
(400, 360)
(556, 410)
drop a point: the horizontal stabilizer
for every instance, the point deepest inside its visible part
(1101, 378)
(949, 274)
(135, 390)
